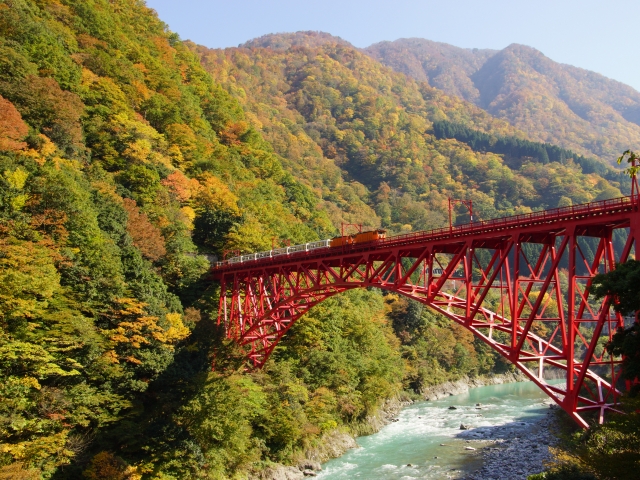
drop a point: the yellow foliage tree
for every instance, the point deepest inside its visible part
(134, 328)
(28, 279)
(213, 194)
(106, 466)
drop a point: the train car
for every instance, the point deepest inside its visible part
(305, 247)
(371, 236)
(266, 254)
(318, 244)
(341, 241)
(363, 237)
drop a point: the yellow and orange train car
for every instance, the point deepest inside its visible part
(362, 237)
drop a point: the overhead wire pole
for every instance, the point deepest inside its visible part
(466, 203)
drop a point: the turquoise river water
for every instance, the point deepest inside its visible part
(416, 438)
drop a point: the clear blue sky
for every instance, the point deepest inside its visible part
(594, 34)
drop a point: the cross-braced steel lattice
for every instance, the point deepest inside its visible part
(521, 284)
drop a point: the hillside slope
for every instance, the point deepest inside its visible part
(551, 102)
(361, 136)
(121, 161)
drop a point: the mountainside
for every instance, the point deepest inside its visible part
(362, 137)
(121, 161)
(551, 102)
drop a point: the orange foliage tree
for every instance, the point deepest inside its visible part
(45, 106)
(12, 128)
(180, 186)
(145, 235)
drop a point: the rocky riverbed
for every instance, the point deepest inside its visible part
(513, 451)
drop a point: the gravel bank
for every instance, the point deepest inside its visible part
(513, 451)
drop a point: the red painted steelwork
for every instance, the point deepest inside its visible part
(520, 284)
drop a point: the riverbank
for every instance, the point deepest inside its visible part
(512, 451)
(457, 387)
(334, 444)
(337, 442)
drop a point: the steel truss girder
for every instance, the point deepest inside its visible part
(506, 287)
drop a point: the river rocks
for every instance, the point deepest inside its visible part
(464, 427)
(309, 465)
(279, 472)
(517, 450)
(452, 408)
(306, 468)
(469, 448)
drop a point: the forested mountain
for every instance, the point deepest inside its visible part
(551, 102)
(121, 161)
(362, 137)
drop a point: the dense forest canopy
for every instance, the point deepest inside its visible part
(362, 137)
(127, 154)
(515, 151)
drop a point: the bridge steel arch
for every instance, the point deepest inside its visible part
(520, 284)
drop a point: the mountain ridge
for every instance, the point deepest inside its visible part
(552, 102)
(549, 101)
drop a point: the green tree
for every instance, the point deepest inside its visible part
(622, 283)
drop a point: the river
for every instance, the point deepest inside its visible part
(412, 446)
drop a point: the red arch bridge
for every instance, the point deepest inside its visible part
(520, 283)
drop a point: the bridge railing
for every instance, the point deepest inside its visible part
(553, 214)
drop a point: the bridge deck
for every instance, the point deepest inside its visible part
(614, 212)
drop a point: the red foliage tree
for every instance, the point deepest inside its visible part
(146, 236)
(48, 108)
(12, 128)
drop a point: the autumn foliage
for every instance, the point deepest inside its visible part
(144, 234)
(12, 128)
(552, 102)
(106, 466)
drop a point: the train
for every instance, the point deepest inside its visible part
(362, 237)
(341, 241)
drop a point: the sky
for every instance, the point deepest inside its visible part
(594, 34)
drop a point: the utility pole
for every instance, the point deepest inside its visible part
(466, 203)
(344, 226)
